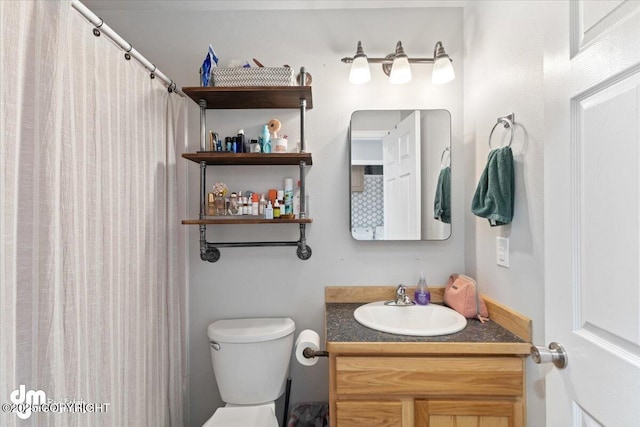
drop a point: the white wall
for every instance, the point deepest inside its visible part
(504, 74)
(273, 281)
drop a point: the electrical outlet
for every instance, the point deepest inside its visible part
(502, 251)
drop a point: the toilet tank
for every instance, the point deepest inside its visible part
(251, 358)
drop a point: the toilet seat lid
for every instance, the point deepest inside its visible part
(250, 330)
(243, 416)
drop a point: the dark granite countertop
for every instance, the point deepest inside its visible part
(341, 326)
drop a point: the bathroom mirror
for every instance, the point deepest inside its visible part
(400, 174)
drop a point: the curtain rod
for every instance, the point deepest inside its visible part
(123, 44)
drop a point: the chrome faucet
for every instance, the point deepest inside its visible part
(401, 296)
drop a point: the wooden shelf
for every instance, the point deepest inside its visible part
(251, 97)
(225, 158)
(230, 220)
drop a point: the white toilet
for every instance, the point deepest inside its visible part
(251, 363)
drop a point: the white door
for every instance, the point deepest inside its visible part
(592, 211)
(401, 163)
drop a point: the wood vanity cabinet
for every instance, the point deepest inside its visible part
(472, 380)
(433, 391)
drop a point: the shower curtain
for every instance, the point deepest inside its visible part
(91, 287)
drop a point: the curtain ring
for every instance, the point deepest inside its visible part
(96, 32)
(507, 123)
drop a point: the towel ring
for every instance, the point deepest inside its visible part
(442, 157)
(507, 123)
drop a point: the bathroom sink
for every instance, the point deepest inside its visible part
(416, 320)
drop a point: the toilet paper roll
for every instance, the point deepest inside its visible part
(307, 338)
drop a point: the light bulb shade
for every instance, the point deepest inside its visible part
(442, 71)
(360, 72)
(400, 71)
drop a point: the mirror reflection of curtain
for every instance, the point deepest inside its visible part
(90, 303)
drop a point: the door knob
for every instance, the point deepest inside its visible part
(555, 354)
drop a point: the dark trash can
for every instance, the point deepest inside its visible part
(309, 414)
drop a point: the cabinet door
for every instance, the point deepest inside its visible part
(468, 413)
(374, 413)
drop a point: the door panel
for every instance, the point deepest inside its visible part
(592, 212)
(606, 158)
(369, 414)
(467, 413)
(402, 180)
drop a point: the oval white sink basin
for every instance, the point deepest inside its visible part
(417, 320)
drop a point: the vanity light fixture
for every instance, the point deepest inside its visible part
(359, 73)
(396, 65)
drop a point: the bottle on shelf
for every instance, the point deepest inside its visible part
(273, 195)
(243, 142)
(262, 205)
(288, 196)
(254, 204)
(276, 209)
(245, 205)
(211, 204)
(268, 211)
(422, 294)
(234, 208)
(266, 140)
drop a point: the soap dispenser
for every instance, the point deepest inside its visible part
(422, 294)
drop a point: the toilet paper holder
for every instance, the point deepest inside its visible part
(310, 353)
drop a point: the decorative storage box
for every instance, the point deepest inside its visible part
(255, 76)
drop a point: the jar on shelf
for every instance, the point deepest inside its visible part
(233, 204)
(211, 205)
(220, 208)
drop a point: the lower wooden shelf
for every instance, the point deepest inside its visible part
(230, 220)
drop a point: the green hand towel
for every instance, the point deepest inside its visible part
(442, 201)
(496, 189)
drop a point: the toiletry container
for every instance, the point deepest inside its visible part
(268, 211)
(211, 204)
(245, 205)
(243, 142)
(276, 209)
(254, 204)
(273, 195)
(279, 145)
(262, 205)
(251, 362)
(234, 208)
(266, 140)
(288, 196)
(422, 294)
(296, 202)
